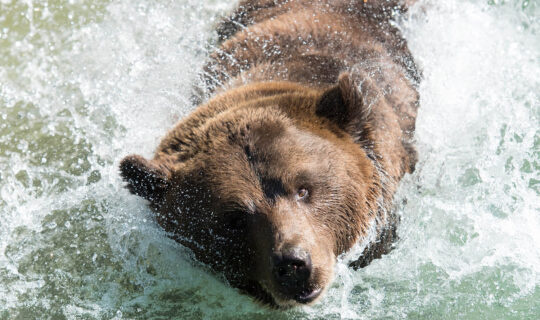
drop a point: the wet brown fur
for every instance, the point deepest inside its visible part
(306, 94)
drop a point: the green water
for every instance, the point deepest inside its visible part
(83, 83)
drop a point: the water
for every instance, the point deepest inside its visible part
(83, 83)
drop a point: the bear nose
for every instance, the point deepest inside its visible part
(292, 268)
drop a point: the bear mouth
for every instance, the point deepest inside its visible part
(304, 296)
(308, 295)
(285, 300)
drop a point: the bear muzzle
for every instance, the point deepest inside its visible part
(292, 272)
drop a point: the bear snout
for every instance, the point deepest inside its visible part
(292, 271)
(292, 267)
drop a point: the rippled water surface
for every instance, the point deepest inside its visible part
(83, 83)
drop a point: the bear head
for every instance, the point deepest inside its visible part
(267, 184)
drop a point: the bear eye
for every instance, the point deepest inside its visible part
(302, 194)
(235, 220)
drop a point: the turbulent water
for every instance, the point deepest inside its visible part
(83, 83)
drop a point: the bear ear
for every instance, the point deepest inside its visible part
(342, 103)
(144, 178)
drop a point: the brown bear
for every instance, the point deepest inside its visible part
(299, 152)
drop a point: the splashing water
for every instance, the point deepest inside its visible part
(83, 83)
